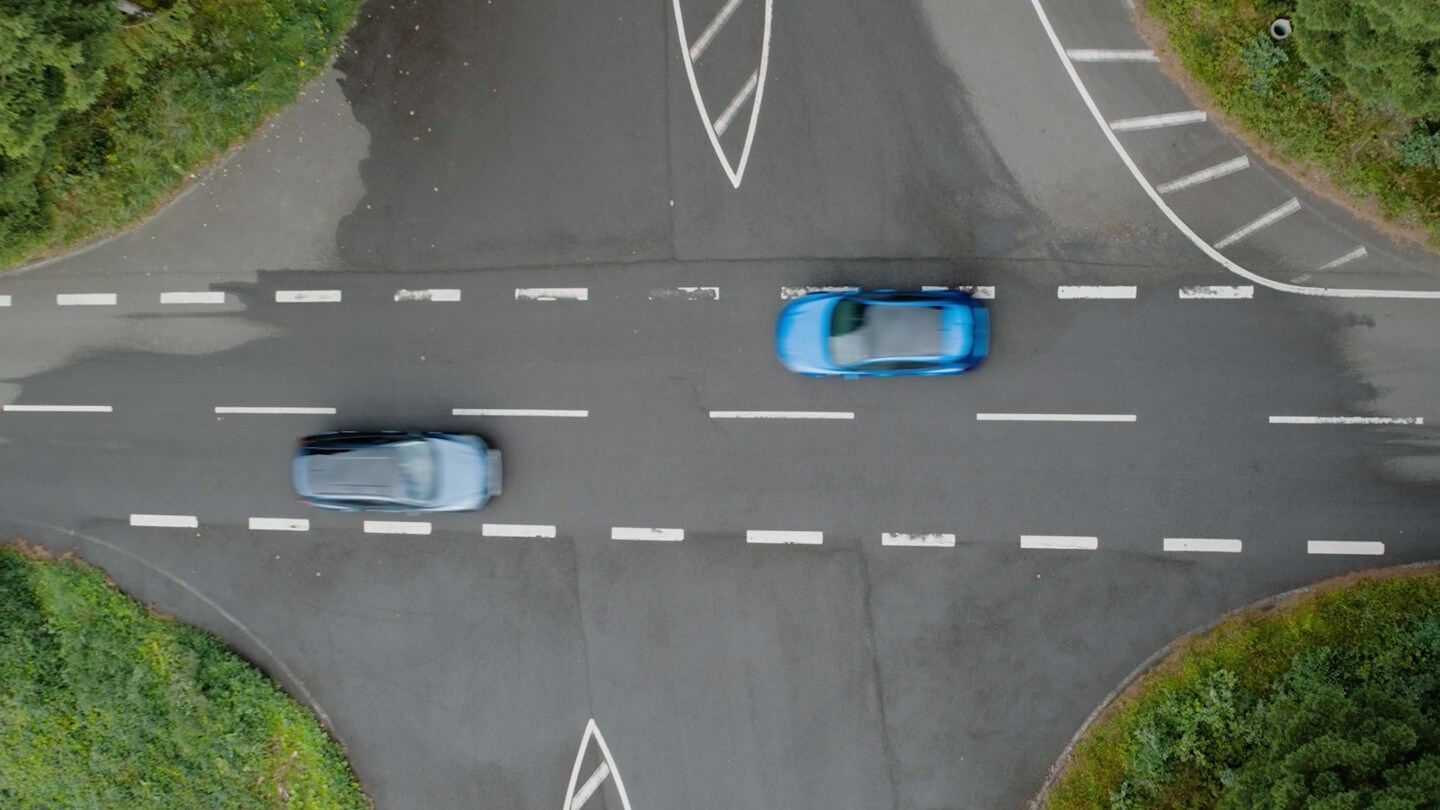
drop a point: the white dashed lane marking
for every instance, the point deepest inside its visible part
(192, 297)
(307, 296)
(4, 300)
(279, 524)
(1347, 420)
(268, 410)
(166, 521)
(686, 294)
(635, 533)
(1202, 544)
(1266, 220)
(1205, 175)
(1112, 291)
(790, 293)
(1344, 547)
(784, 537)
(977, 292)
(929, 540)
(86, 299)
(427, 295)
(782, 415)
(517, 412)
(1157, 121)
(1191, 293)
(516, 530)
(59, 409)
(1059, 541)
(396, 527)
(552, 294)
(1094, 55)
(1055, 417)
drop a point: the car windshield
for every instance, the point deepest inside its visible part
(400, 472)
(861, 332)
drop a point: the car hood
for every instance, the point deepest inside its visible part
(801, 333)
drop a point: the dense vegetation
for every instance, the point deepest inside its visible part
(104, 112)
(104, 705)
(1355, 91)
(1332, 702)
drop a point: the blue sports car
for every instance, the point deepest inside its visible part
(396, 471)
(883, 333)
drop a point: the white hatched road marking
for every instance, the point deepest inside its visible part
(427, 295)
(737, 172)
(784, 537)
(685, 294)
(1347, 420)
(1357, 253)
(591, 785)
(1059, 541)
(1266, 220)
(1094, 55)
(575, 799)
(977, 292)
(636, 533)
(166, 521)
(517, 412)
(516, 530)
(307, 296)
(713, 28)
(1205, 175)
(928, 540)
(723, 122)
(192, 297)
(396, 527)
(1202, 544)
(1191, 293)
(4, 300)
(59, 408)
(1344, 547)
(86, 299)
(791, 293)
(1082, 291)
(1174, 119)
(552, 294)
(268, 410)
(1055, 417)
(279, 524)
(782, 415)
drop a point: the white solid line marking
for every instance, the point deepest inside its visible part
(1158, 121)
(791, 293)
(279, 524)
(427, 295)
(685, 294)
(192, 297)
(1190, 293)
(735, 174)
(4, 300)
(1347, 420)
(552, 294)
(1095, 55)
(60, 408)
(1055, 417)
(396, 527)
(782, 415)
(267, 410)
(713, 28)
(1059, 541)
(1266, 220)
(977, 292)
(516, 530)
(1175, 220)
(1205, 175)
(636, 533)
(516, 412)
(1357, 253)
(784, 537)
(86, 299)
(1114, 291)
(1202, 544)
(929, 540)
(723, 122)
(591, 785)
(1344, 547)
(307, 296)
(167, 521)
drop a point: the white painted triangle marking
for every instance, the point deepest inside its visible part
(574, 800)
(736, 172)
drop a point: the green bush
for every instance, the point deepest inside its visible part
(104, 705)
(1385, 51)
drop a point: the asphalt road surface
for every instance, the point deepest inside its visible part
(766, 591)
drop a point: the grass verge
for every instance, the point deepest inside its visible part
(103, 704)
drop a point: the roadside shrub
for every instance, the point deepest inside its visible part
(1421, 147)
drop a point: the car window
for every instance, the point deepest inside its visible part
(863, 332)
(416, 464)
(896, 365)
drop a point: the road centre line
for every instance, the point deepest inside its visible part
(926, 540)
(427, 295)
(1357, 253)
(784, 537)
(552, 294)
(782, 415)
(516, 412)
(713, 28)
(307, 296)
(516, 530)
(1114, 291)
(1205, 175)
(791, 293)
(279, 524)
(396, 527)
(1094, 55)
(976, 292)
(87, 299)
(685, 294)
(270, 411)
(165, 521)
(1192, 293)
(1202, 544)
(58, 409)
(1055, 417)
(1174, 119)
(192, 297)
(1264, 221)
(1344, 547)
(1347, 420)
(723, 122)
(636, 533)
(1059, 541)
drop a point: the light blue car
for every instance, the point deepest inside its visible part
(396, 471)
(883, 333)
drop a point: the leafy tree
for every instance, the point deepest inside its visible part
(1387, 52)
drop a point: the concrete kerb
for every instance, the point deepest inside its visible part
(1057, 769)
